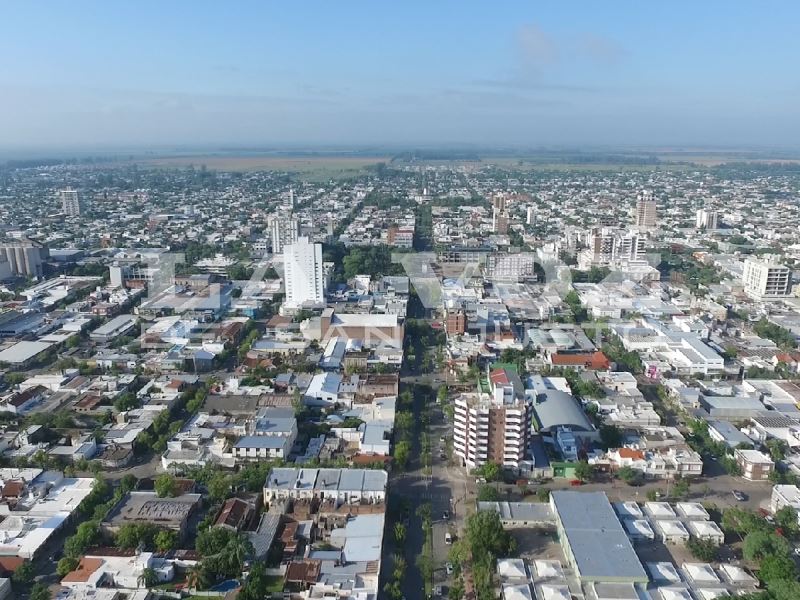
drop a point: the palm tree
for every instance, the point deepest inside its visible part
(148, 578)
(399, 533)
(236, 552)
(197, 577)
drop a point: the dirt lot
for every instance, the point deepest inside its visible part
(540, 544)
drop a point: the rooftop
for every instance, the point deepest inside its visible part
(601, 549)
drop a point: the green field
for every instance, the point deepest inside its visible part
(313, 167)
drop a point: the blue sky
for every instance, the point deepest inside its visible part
(99, 74)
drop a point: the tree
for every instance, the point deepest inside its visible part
(777, 449)
(610, 436)
(198, 577)
(219, 486)
(490, 471)
(213, 540)
(730, 466)
(742, 521)
(23, 575)
(584, 471)
(441, 394)
(147, 578)
(399, 566)
(487, 540)
(66, 565)
(402, 452)
(681, 489)
(760, 544)
(485, 535)
(629, 475)
(128, 483)
(166, 540)
(456, 591)
(783, 589)
(131, 535)
(704, 550)
(777, 567)
(86, 535)
(126, 401)
(166, 486)
(399, 533)
(404, 423)
(543, 495)
(39, 591)
(786, 519)
(488, 493)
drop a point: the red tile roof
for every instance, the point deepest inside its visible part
(631, 453)
(86, 567)
(499, 377)
(595, 360)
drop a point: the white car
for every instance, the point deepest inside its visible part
(448, 567)
(448, 539)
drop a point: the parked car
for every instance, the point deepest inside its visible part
(437, 591)
(448, 539)
(448, 567)
(740, 496)
(446, 516)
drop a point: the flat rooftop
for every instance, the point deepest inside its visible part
(599, 544)
(148, 507)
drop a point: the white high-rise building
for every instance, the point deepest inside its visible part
(531, 215)
(70, 202)
(707, 219)
(764, 280)
(284, 229)
(645, 211)
(303, 273)
(629, 247)
(607, 246)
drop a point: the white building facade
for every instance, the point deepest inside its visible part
(303, 274)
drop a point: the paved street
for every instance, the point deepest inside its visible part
(446, 490)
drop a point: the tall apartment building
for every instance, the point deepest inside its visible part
(629, 247)
(499, 221)
(511, 266)
(303, 273)
(645, 211)
(493, 427)
(608, 246)
(530, 215)
(763, 279)
(400, 237)
(70, 202)
(284, 230)
(25, 258)
(707, 219)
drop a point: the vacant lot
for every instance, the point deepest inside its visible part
(537, 543)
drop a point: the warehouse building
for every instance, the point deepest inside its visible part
(594, 541)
